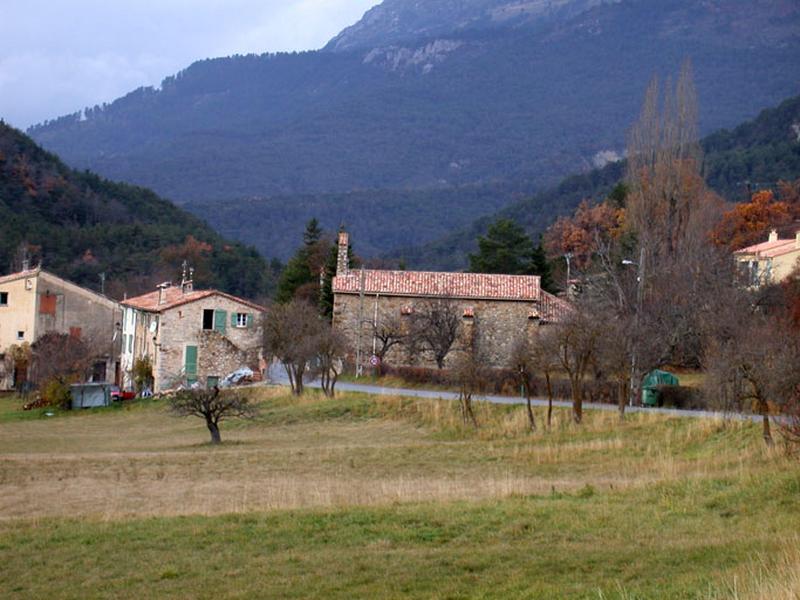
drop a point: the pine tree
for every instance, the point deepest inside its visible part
(505, 249)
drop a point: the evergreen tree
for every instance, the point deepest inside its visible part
(301, 270)
(542, 268)
(505, 249)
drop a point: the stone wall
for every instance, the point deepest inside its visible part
(218, 353)
(497, 325)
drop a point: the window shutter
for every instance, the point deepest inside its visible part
(220, 320)
(190, 364)
(249, 319)
(233, 320)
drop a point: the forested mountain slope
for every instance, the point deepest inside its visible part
(79, 225)
(754, 155)
(449, 93)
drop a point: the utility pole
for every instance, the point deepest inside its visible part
(635, 375)
(359, 365)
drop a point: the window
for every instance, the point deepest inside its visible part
(3, 298)
(241, 320)
(20, 335)
(208, 319)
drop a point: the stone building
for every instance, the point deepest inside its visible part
(34, 302)
(494, 309)
(190, 336)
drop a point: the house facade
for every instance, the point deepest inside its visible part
(494, 309)
(769, 262)
(34, 302)
(190, 336)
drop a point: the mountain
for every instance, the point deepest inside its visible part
(755, 155)
(425, 99)
(79, 225)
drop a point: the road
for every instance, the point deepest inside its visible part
(278, 375)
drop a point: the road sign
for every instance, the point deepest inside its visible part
(374, 361)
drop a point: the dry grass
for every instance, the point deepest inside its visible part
(143, 462)
(770, 577)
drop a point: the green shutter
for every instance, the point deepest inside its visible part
(233, 319)
(220, 319)
(249, 320)
(190, 364)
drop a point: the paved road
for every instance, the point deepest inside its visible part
(278, 375)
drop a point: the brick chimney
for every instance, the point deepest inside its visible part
(342, 259)
(773, 235)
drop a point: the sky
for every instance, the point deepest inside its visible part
(59, 56)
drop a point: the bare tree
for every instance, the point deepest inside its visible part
(291, 334)
(664, 167)
(389, 331)
(577, 337)
(213, 406)
(436, 325)
(469, 373)
(67, 358)
(756, 368)
(331, 349)
(534, 355)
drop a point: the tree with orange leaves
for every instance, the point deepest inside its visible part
(749, 223)
(582, 234)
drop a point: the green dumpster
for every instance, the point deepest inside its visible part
(650, 392)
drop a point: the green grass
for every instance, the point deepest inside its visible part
(652, 508)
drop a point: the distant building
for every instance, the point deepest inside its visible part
(498, 308)
(190, 336)
(769, 262)
(34, 302)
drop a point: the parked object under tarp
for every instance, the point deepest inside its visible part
(90, 395)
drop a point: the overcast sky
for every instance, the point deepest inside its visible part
(58, 56)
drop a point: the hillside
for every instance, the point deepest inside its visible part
(80, 225)
(756, 154)
(432, 96)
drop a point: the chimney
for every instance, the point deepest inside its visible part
(26, 265)
(342, 259)
(162, 292)
(773, 235)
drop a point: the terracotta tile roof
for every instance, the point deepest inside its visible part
(175, 297)
(446, 285)
(19, 275)
(775, 248)
(553, 309)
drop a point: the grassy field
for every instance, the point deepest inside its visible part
(384, 497)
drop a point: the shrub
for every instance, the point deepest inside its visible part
(142, 374)
(675, 396)
(55, 392)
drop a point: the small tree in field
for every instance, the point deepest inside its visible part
(469, 373)
(291, 333)
(213, 406)
(577, 338)
(534, 356)
(332, 348)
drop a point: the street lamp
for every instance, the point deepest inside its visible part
(634, 388)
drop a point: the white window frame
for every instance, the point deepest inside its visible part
(20, 335)
(241, 320)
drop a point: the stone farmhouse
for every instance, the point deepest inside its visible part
(190, 336)
(34, 302)
(498, 309)
(769, 262)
